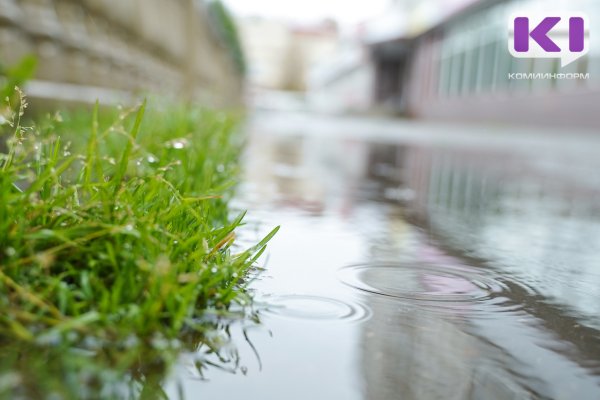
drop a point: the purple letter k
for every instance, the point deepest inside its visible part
(539, 34)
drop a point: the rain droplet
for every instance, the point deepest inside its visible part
(178, 144)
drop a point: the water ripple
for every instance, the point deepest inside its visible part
(310, 307)
(422, 282)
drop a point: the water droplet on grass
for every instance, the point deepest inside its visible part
(178, 144)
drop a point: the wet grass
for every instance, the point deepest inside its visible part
(115, 232)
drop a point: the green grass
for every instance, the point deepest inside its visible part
(115, 229)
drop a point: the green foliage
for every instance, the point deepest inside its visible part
(120, 230)
(16, 75)
(227, 29)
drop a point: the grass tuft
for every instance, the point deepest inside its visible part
(113, 227)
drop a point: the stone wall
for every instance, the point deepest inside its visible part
(100, 48)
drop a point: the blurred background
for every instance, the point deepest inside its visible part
(432, 59)
(384, 135)
(111, 50)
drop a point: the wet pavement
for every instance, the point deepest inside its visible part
(417, 261)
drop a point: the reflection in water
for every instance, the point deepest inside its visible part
(520, 216)
(42, 372)
(474, 263)
(130, 370)
(533, 333)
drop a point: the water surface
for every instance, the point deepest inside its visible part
(417, 261)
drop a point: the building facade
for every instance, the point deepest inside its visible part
(461, 69)
(281, 53)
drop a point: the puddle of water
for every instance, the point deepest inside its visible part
(316, 308)
(453, 269)
(436, 283)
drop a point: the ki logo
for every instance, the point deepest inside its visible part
(558, 35)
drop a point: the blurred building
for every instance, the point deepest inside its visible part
(266, 43)
(281, 54)
(459, 69)
(410, 17)
(343, 83)
(110, 49)
(349, 81)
